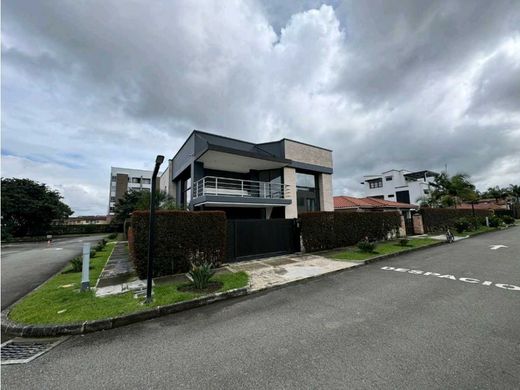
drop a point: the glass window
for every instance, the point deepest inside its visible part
(113, 179)
(376, 183)
(388, 178)
(147, 181)
(305, 180)
(136, 180)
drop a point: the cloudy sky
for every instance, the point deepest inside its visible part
(385, 84)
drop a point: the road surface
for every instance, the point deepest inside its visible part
(27, 265)
(366, 328)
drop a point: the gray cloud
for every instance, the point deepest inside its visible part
(385, 84)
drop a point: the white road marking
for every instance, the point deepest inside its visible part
(58, 249)
(495, 247)
(504, 286)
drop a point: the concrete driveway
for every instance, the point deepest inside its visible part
(27, 265)
(366, 328)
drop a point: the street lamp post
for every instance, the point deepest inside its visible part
(151, 230)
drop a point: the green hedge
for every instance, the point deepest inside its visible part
(59, 230)
(502, 212)
(437, 219)
(181, 238)
(333, 229)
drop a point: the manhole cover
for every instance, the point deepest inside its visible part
(18, 350)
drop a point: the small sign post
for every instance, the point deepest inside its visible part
(85, 278)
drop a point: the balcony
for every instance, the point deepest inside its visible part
(211, 190)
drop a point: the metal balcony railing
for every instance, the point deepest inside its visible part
(211, 185)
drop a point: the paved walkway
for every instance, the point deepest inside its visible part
(276, 271)
(119, 274)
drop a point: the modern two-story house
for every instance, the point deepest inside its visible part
(399, 185)
(269, 180)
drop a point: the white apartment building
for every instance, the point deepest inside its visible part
(123, 180)
(399, 185)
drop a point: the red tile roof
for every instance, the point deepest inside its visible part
(348, 202)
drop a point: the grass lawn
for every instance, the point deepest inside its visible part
(383, 248)
(59, 301)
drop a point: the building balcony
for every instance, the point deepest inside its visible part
(211, 191)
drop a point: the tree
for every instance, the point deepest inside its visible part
(496, 193)
(451, 191)
(140, 200)
(28, 207)
(514, 190)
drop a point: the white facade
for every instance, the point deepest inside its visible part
(399, 185)
(129, 179)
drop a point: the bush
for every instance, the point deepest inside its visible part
(508, 220)
(436, 219)
(462, 224)
(92, 253)
(494, 221)
(327, 230)
(404, 241)
(112, 236)
(182, 238)
(366, 246)
(77, 264)
(502, 213)
(200, 275)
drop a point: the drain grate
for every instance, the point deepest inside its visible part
(17, 351)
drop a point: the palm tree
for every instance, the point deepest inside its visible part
(514, 191)
(451, 191)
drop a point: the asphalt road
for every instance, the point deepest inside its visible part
(27, 265)
(367, 328)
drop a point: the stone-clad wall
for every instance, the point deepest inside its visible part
(307, 154)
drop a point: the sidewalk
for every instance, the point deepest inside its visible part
(118, 275)
(279, 270)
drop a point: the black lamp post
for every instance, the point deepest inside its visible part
(151, 230)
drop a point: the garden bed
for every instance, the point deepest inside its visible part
(383, 248)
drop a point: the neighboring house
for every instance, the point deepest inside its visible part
(350, 203)
(123, 180)
(269, 180)
(83, 220)
(399, 185)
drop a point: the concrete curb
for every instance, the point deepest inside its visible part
(24, 330)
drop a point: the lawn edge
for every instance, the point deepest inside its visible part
(24, 330)
(51, 330)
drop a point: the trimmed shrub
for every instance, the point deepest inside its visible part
(92, 253)
(182, 238)
(502, 213)
(435, 220)
(508, 220)
(462, 224)
(112, 236)
(404, 241)
(327, 230)
(317, 229)
(77, 264)
(366, 246)
(494, 221)
(200, 275)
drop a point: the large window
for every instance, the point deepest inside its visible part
(187, 191)
(306, 192)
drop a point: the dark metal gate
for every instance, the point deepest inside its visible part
(408, 223)
(255, 238)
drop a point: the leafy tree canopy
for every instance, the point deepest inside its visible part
(28, 207)
(140, 200)
(451, 191)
